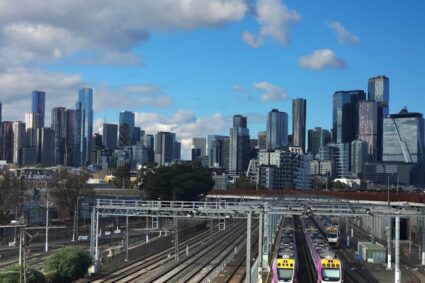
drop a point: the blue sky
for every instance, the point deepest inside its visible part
(188, 66)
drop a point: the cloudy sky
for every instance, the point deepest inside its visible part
(189, 65)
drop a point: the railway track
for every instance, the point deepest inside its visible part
(408, 270)
(162, 265)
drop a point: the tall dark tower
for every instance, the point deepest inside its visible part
(299, 114)
(345, 115)
(38, 105)
(379, 91)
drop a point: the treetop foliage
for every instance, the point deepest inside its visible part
(177, 182)
(68, 264)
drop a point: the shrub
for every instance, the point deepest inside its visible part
(11, 275)
(69, 263)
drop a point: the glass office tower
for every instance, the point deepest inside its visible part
(379, 91)
(38, 105)
(404, 137)
(85, 106)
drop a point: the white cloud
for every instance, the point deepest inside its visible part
(252, 40)
(62, 90)
(275, 21)
(271, 92)
(18, 83)
(185, 124)
(321, 59)
(111, 29)
(343, 35)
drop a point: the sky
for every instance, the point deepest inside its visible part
(188, 66)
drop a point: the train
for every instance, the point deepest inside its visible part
(326, 266)
(329, 229)
(285, 264)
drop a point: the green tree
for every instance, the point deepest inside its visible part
(243, 183)
(122, 176)
(67, 187)
(68, 264)
(11, 275)
(178, 182)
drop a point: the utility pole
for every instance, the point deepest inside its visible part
(46, 248)
(248, 248)
(397, 276)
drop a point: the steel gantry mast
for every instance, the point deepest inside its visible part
(254, 209)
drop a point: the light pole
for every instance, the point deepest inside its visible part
(46, 248)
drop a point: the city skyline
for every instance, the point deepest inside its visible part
(191, 75)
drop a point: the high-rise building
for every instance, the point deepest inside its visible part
(149, 143)
(277, 129)
(359, 156)
(1, 131)
(46, 145)
(126, 128)
(72, 138)
(299, 114)
(345, 115)
(340, 155)
(32, 126)
(218, 151)
(368, 126)
(7, 143)
(85, 106)
(379, 91)
(164, 147)
(137, 135)
(110, 136)
(239, 147)
(404, 137)
(317, 138)
(177, 148)
(201, 144)
(38, 105)
(59, 129)
(18, 141)
(262, 140)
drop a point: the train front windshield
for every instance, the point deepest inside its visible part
(284, 274)
(331, 274)
(333, 235)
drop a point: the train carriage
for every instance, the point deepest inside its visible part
(326, 266)
(329, 229)
(285, 264)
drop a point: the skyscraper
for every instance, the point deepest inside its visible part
(46, 144)
(137, 135)
(18, 141)
(201, 144)
(368, 126)
(262, 140)
(277, 129)
(38, 105)
(345, 115)
(359, 156)
(379, 91)
(110, 136)
(59, 129)
(164, 147)
(149, 142)
(299, 112)
(404, 137)
(1, 131)
(126, 128)
(317, 138)
(239, 148)
(85, 106)
(72, 140)
(7, 143)
(218, 151)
